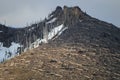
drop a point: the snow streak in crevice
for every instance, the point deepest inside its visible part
(54, 33)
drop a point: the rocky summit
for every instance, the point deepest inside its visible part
(69, 44)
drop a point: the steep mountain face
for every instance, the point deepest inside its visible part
(30, 36)
(71, 27)
(83, 28)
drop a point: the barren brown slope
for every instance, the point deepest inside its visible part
(66, 62)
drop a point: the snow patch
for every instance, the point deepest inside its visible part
(1, 31)
(54, 33)
(50, 16)
(63, 29)
(51, 21)
(80, 20)
(31, 28)
(10, 52)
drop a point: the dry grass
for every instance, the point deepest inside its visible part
(56, 63)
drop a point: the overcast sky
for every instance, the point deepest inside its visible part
(19, 13)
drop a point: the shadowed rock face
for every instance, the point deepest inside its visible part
(83, 28)
(6, 35)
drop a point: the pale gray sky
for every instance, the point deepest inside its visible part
(18, 13)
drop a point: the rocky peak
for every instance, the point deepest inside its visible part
(72, 15)
(67, 12)
(73, 11)
(67, 15)
(57, 12)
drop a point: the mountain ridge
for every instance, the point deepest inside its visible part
(89, 27)
(68, 16)
(67, 43)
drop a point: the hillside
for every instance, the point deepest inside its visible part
(65, 62)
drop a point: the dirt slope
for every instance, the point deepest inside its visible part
(65, 62)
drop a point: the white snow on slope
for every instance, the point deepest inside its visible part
(54, 33)
(50, 16)
(51, 21)
(31, 28)
(60, 32)
(1, 31)
(80, 20)
(10, 52)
